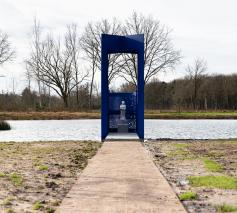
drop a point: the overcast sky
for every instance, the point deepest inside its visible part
(201, 28)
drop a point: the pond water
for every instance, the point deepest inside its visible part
(46, 130)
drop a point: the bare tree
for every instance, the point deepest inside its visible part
(35, 45)
(159, 53)
(72, 42)
(29, 76)
(6, 51)
(195, 74)
(91, 44)
(53, 62)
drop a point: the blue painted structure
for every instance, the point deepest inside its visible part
(110, 102)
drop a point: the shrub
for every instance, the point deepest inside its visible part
(4, 125)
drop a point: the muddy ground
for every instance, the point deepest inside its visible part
(179, 160)
(36, 176)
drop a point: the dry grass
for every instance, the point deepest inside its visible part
(95, 114)
(159, 114)
(49, 115)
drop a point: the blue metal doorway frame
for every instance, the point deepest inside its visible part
(111, 44)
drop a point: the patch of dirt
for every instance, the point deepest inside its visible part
(179, 160)
(36, 176)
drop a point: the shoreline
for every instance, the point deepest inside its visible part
(149, 114)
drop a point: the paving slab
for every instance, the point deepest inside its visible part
(121, 178)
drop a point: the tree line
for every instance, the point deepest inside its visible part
(195, 91)
(212, 92)
(30, 100)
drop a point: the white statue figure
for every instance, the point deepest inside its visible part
(122, 111)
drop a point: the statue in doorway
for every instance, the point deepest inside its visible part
(122, 111)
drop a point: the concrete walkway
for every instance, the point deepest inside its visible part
(121, 178)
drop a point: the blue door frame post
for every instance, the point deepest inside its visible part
(140, 93)
(104, 93)
(122, 44)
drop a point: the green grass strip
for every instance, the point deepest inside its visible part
(212, 166)
(221, 182)
(188, 196)
(226, 208)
